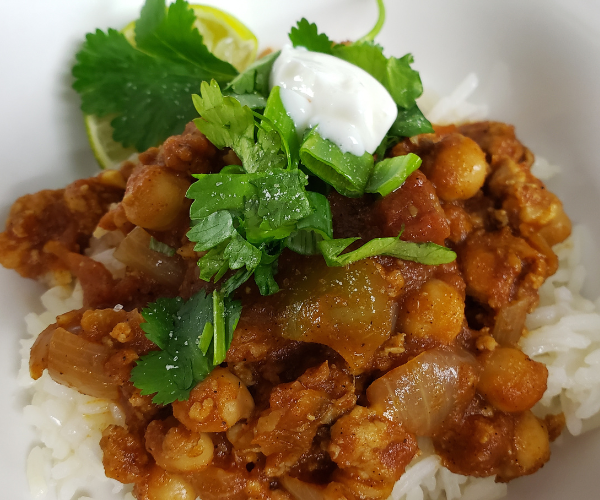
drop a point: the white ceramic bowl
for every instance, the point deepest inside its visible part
(539, 67)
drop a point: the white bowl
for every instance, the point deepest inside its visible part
(539, 67)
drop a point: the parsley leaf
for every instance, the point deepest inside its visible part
(177, 327)
(306, 35)
(147, 87)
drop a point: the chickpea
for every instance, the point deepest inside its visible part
(457, 168)
(163, 485)
(215, 404)
(177, 449)
(558, 229)
(435, 310)
(510, 380)
(154, 197)
(532, 445)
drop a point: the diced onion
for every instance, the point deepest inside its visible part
(421, 393)
(303, 491)
(346, 308)
(134, 251)
(510, 322)
(38, 359)
(76, 362)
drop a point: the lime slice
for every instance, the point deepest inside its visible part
(223, 35)
(108, 153)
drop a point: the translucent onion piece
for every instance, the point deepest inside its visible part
(301, 490)
(510, 322)
(134, 251)
(421, 393)
(346, 308)
(214, 483)
(78, 363)
(38, 359)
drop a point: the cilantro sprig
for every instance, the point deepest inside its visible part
(156, 78)
(193, 338)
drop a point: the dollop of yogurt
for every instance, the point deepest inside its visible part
(350, 107)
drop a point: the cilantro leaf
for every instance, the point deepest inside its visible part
(410, 121)
(312, 228)
(305, 34)
(160, 374)
(159, 320)
(169, 33)
(281, 196)
(347, 173)
(402, 82)
(276, 116)
(240, 253)
(173, 371)
(424, 253)
(213, 192)
(273, 202)
(224, 121)
(251, 87)
(114, 78)
(396, 75)
(366, 55)
(266, 154)
(148, 89)
(211, 231)
(265, 279)
(389, 174)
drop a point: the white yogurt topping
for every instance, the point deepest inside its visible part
(351, 108)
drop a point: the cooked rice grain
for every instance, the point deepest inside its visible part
(68, 460)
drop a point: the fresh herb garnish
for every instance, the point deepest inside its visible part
(389, 174)
(193, 338)
(244, 218)
(423, 253)
(154, 78)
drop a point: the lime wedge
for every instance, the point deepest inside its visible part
(223, 35)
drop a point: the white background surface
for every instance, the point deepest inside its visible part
(539, 66)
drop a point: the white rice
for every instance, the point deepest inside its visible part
(564, 333)
(67, 462)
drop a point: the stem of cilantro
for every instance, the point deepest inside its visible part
(219, 337)
(205, 337)
(370, 36)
